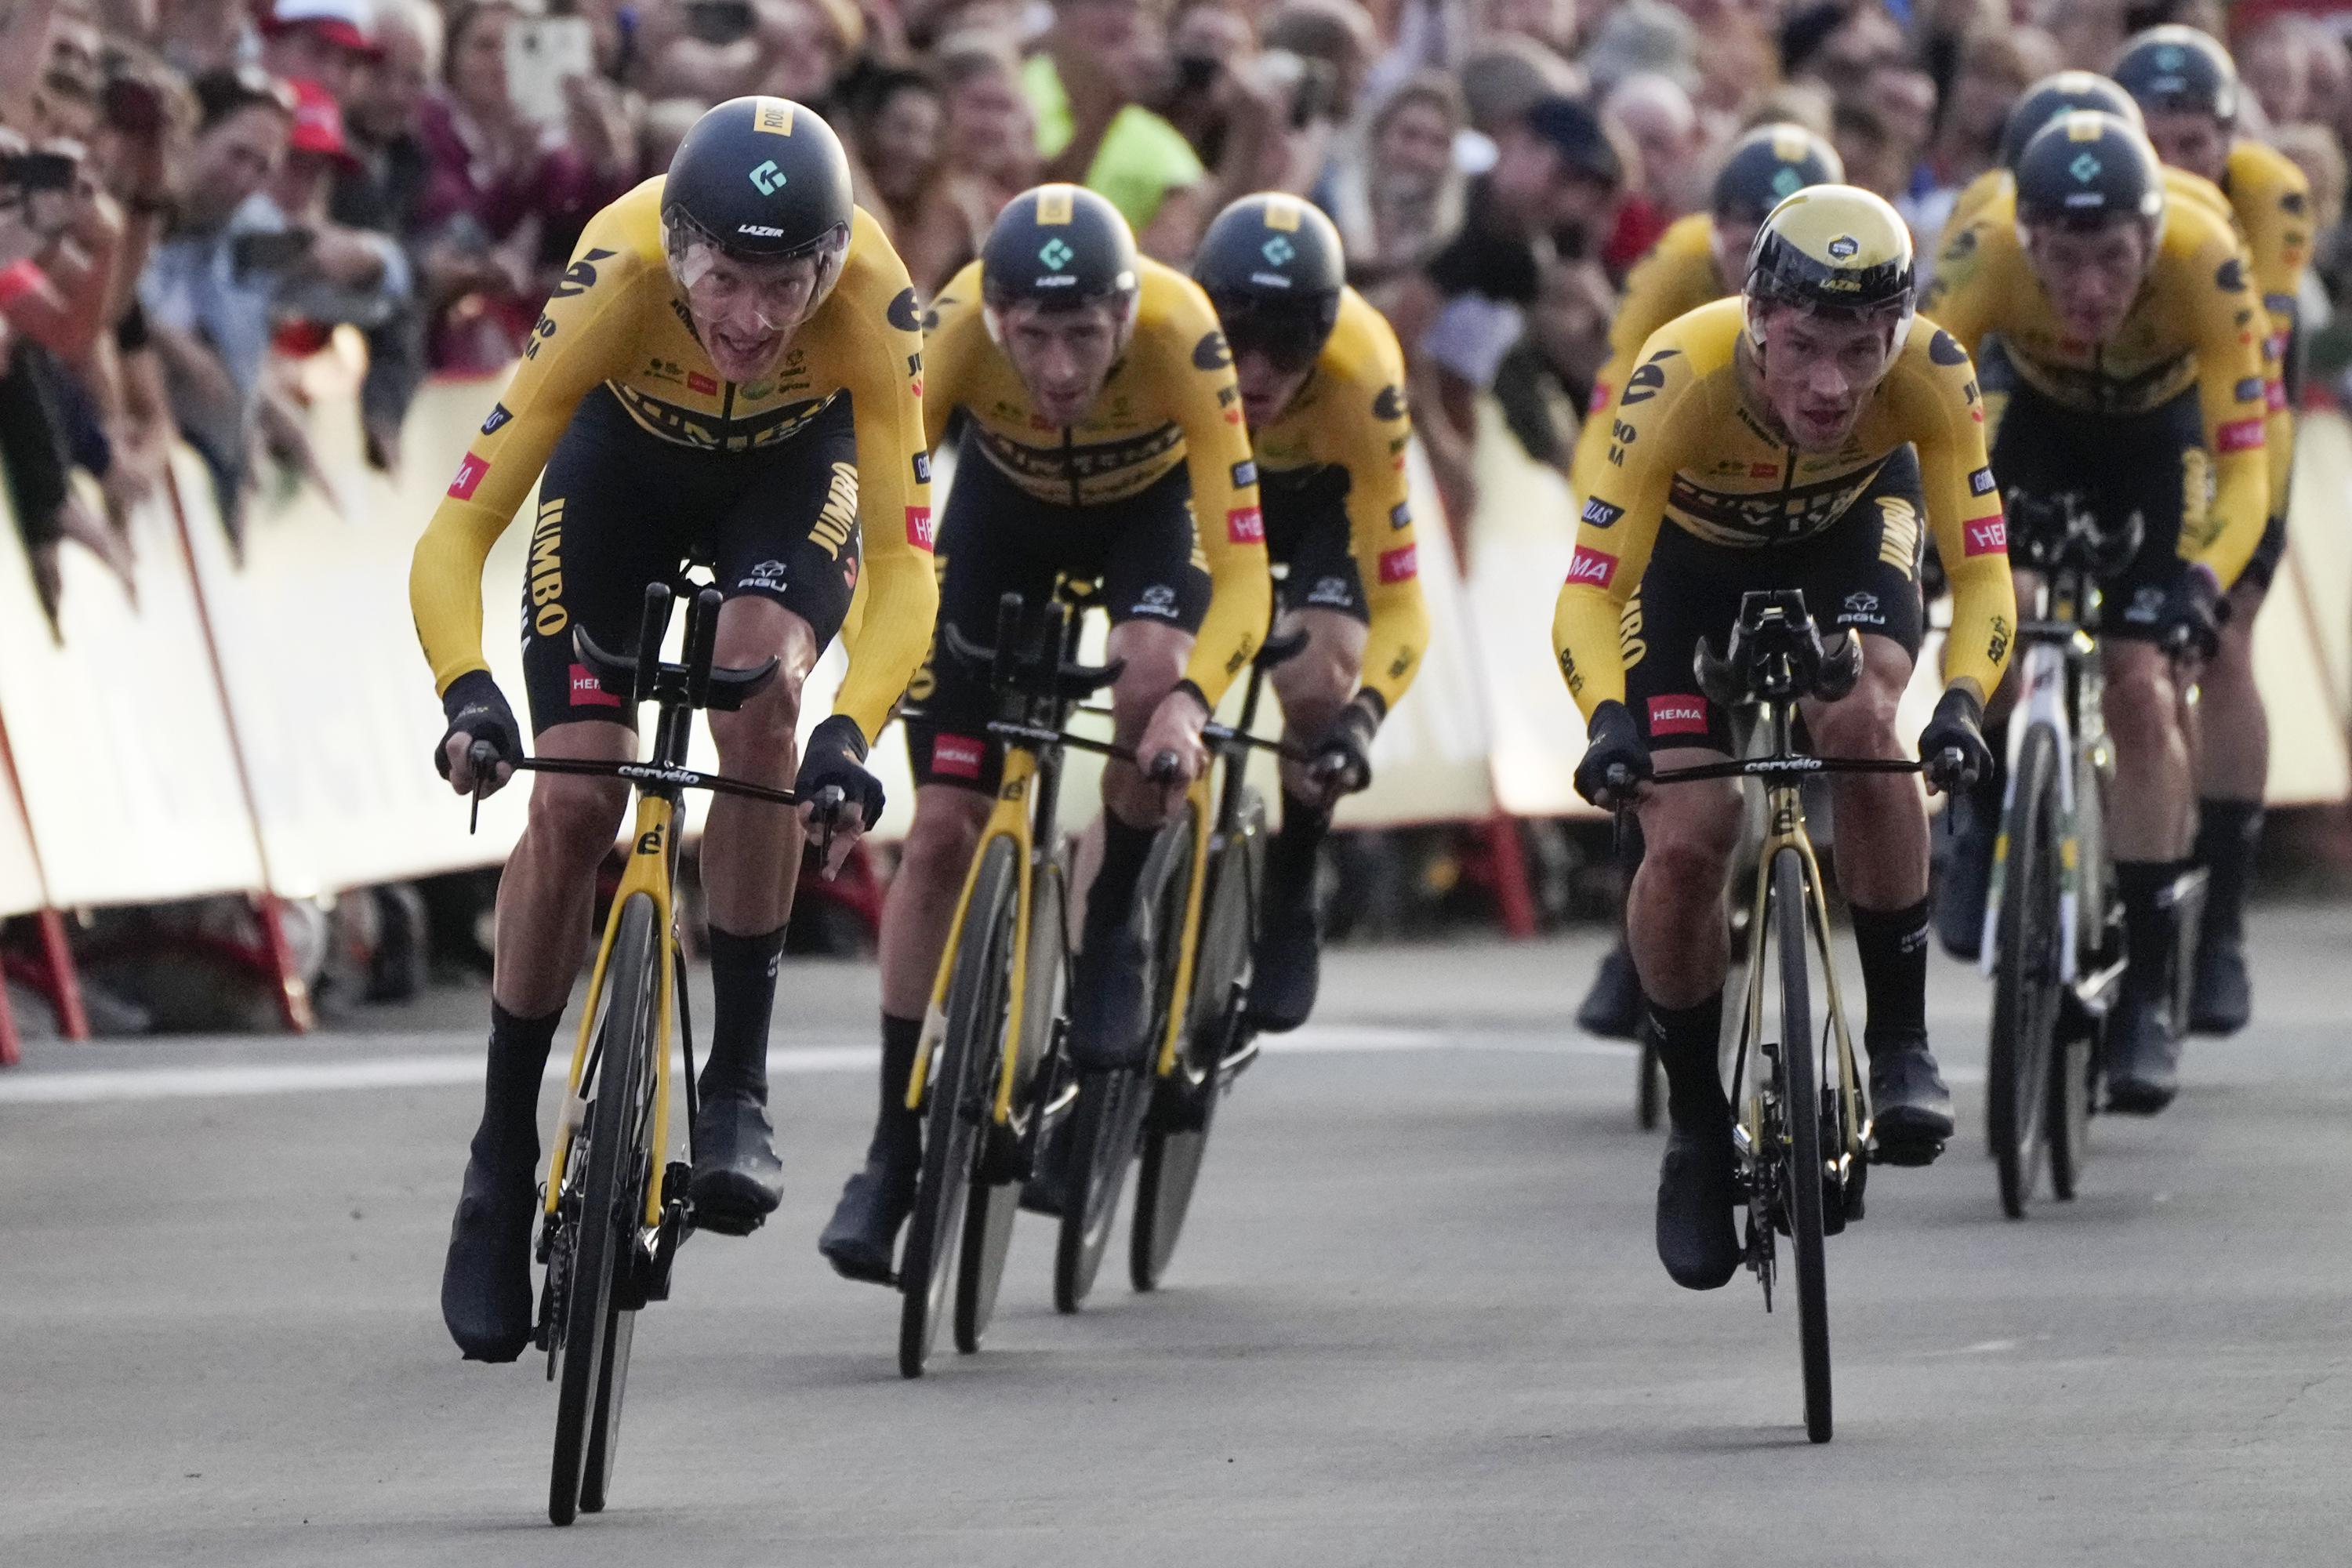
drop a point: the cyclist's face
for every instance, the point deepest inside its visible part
(2092, 276)
(746, 312)
(2192, 141)
(1266, 388)
(1062, 357)
(1819, 371)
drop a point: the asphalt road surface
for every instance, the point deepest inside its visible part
(1416, 1320)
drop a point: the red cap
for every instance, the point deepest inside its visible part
(318, 122)
(350, 22)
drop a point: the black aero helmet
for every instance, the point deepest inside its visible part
(1058, 247)
(763, 179)
(1271, 265)
(2179, 70)
(2058, 94)
(2087, 170)
(1769, 164)
(1832, 248)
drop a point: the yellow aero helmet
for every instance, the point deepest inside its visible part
(1832, 247)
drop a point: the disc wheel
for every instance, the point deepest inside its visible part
(610, 1194)
(1804, 1174)
(1106, 1122)
(962, 1085)
(2029, 986)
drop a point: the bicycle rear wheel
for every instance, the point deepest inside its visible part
(609, 1193)
(1176, 1137)
(2028, 986)
(1802, 1110)
(1106, 1122)
(962, 1084)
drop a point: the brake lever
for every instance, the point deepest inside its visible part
(484, 757)
(828, 803)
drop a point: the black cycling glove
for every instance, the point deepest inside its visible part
(1953, 743)
(1344, 754)
(836, 756)
(478, 709)
(1613, 743)
(2192, 614)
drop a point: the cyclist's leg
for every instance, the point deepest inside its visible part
(1157, 595)
(1675, 916)
(590, 555)
(1324, 598)
(784, 551)
(1863, 576)
(2233, 753)
(2148, 824)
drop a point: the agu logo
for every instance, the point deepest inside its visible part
(469, 477)
(1245, 525)
(587, 693)
(1677, 715)
(1401, 564)
(957, 756)
(1988, 536)
(1593, 566)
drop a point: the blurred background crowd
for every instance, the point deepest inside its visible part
(195, 194)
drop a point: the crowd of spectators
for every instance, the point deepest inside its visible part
(195, 194)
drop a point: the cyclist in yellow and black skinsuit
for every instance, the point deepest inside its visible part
(2128, 373)
(727, 369)
(1699, 259)
(1103, 442)
(1804, 435)
(2188, 88)
(1322, 385)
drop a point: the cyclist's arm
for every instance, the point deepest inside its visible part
(1654, 296)
(2278, 236)
(2227, 322)
(1228, 525)
(1379, 518)
(884, 353)
(583, 336)
(1618, 529)
(1942, 408)
(954, 334)
(1966, 296)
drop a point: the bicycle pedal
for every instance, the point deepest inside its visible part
(1908, 1153)
(726, 1222)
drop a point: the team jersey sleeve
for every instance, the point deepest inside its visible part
(2227, 322)
(1197, 369)
(884, 378)
(1379, 518)
(1619, 526)
(954, 333)
(583, 336)
(1965, 296)
(1656, 293)
(1945, 411)
(2276, 216)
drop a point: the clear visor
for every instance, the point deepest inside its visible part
(755, 294)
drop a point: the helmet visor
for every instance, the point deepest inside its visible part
(1290, 337)
(767, 293)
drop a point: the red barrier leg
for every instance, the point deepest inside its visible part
(1502, 869)
(64, 985)
(10, 1052)
(293, 990)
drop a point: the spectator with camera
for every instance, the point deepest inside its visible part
(380, 186)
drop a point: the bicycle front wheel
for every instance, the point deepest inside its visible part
(962, 1082)
(1805, 1172)
(610, 1194)
(2027, 984)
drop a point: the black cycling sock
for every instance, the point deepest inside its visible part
(742, 995)
(1109, 901)
(1291, 855)
(1689, 1042)
(2151, 923)
(2229, 833)
(1893, 944)
(897, 1132)
(517, 1061)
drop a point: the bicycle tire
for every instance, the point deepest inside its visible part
(606, 1221)
(1805, 1173)
(2028, 987)
(960, 1083)
(604, 1432)
(1168, 1173)
(1106, 1122)
(988, 1224)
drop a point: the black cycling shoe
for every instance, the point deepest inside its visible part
(1612, 1008)
(862, 1238)
(1109, 991)
(2223, 997)
(738, 1180)
(486, 1294)
(1049, 1175)
(1697, 1194)
(1286, 968)
(1966, 879)
(2143, 1068)
(1911, 1110)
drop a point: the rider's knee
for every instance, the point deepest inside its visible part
(1314, 685)
(1150, 673)
(577, 815)
(1858, 724)
(941, 838)
(2142, 708)
(762, 727)
(1689, 842)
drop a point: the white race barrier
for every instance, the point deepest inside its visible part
(21, 889)
(2303, 643)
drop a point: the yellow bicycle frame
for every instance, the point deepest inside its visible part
(1180, 1010)
(647, 872)
(1785, 813)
